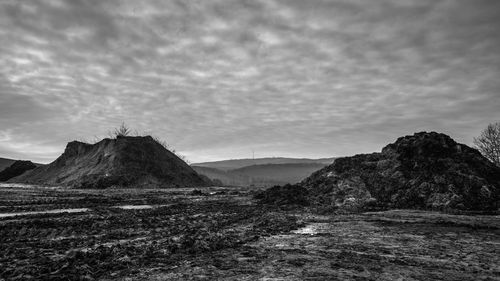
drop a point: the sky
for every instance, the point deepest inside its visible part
(221, 79)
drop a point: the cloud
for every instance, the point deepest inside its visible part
(219, 78)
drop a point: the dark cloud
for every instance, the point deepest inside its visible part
(217, 79)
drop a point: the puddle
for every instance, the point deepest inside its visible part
(134, 207)
(139, 207)
(313, 229)
(58, 211)
(79, 210)
(22, 185)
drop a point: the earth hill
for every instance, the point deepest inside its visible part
(121, 162)
(422, 171)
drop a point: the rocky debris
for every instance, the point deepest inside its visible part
(121, 162)
(17, 168)
(422, 171)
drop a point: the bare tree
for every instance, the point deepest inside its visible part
(121, 131)
(162, 143)
(488, 143)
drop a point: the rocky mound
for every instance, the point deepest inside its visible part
(122, 162)
(17, 168)
(423, 171)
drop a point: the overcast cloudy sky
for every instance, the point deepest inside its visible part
(217, 79)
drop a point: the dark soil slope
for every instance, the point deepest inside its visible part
(423, 171)
(124, 161)
(16, 169)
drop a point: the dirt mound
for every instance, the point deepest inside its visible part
(284, 195)
(124, 161)
(17, 168)
(423, 171)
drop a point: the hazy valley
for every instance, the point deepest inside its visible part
(260, 172)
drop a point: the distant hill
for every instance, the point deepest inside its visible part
(122, 162)
(232, 164)
(267, 171)
(227, 178)
(280, 173)
(5, 162)
(17, 168)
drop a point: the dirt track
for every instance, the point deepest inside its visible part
(222, 234)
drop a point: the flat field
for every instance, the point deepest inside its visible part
(223, 234)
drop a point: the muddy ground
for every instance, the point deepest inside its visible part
(223, 234)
